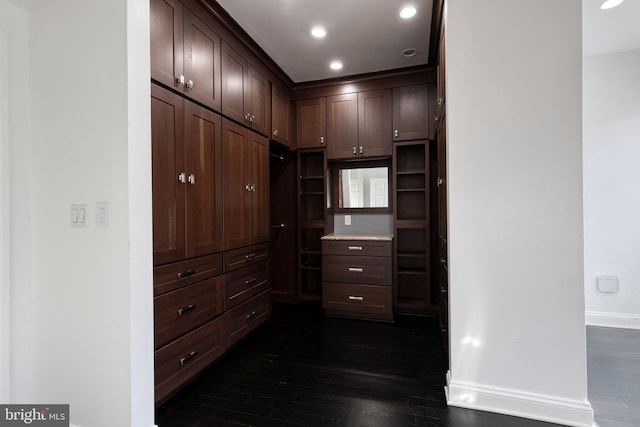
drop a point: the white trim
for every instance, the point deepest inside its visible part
(520, 404)
(612, 320)
(4, 220)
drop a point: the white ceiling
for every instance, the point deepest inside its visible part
(366, 35)
(610, 31)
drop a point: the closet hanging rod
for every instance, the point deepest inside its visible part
(277, 226)
(276, 156)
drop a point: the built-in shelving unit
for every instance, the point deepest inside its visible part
(312, 188)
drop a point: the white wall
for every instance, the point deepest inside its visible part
(87, 337)
(611, 126)
(517, 333)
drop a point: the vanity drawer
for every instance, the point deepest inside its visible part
(179, 361)
(181, 310)
(176, 275)
(243, 257)
(349, 300)
(361, 269)
(247, 316)
(357, 247)
(242, 284)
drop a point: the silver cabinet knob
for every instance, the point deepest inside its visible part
(182, 178)
(322, 140)
(396, 133)
(190, 84)
(360, 150)
(354, 150)
(192, 179)
(180, 80)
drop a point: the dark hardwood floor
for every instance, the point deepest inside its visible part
(613, 360)
(302, 369)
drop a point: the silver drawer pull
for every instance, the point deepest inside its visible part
(187, 273)
(250, 281)
(354, 248)
(359, 299)
(188, 357)
(250, 256)
(251, 315)
(186, 309)
(355, 270)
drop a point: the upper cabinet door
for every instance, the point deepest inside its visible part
(201, 62)
(311, 115)
(411, 112)
(167, 44)
(374, 123)
(168, 177)
(234, 68)
(204, 180)
(279, 116)
(342, 126)
(256, 96)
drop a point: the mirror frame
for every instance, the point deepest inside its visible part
(358, 164)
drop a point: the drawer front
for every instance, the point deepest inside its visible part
(243, 257)
(242, 284)
(173, 276)
(181, 310)
(361, 269)
(357, 247)
(247, 316)
(179, 361)
(357, 300)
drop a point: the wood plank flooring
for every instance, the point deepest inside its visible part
(613, 360)
(302, 369)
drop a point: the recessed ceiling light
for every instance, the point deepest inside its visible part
(408, 12)
(318, 32)
(608, 4)
(408, 53)
(336, 65)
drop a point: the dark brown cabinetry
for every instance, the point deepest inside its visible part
(357, 278)
(411, 115)
(359, 125)
(187, 179)
(312, 202)
(244, 91)
(413, 292)
(311, 116)
(280, 115)
(185, 52)
(246, 186)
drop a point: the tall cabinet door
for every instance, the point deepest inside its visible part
(204, 181)
(202, 61)
(236, 189)
(166, 41)
(168, 178)
(259, 184)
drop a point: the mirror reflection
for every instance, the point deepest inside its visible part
(364, 187)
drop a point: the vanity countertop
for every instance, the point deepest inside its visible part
(373, 237)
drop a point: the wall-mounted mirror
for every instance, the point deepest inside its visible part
(361, 187)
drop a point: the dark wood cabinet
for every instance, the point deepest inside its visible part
(342, 126)
(411, 116)
(311, 121)
(280, 116)
(185, 52)
(244, 91)
(412, 230)
(186, 179)
(312, 202)
(356, 278)
(359, 125)
(246, 186)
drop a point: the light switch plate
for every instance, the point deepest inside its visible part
(103, 215)
(79, 216)
(608, 284)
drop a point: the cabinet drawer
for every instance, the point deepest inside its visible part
(181, 310)
(242, 257)
(173, 276)
(356, 247)
(242, 284)
(247, 316)
(361, 269)
(179, 361)
(343, 299)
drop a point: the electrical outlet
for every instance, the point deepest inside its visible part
(347, 220)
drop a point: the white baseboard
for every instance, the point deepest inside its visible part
(612, 320)
(520, 404)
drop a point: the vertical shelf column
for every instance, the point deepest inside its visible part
(312, 203)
